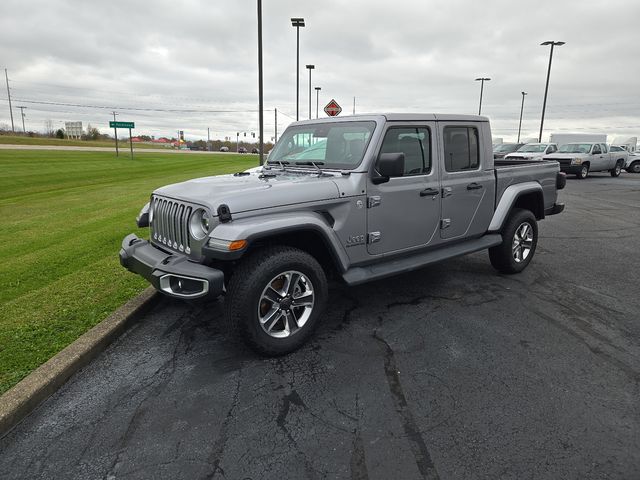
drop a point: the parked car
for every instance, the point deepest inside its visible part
(224, 149)
(386, 194)
(583, 158)
(532, 151)
(255, 150)
(242, 150)
(504, 148)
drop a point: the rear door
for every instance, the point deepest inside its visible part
(468, 181)
(404, 213)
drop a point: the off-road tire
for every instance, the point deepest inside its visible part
(245, 289)
(502, 256)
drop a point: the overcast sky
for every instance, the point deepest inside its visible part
(401, 56)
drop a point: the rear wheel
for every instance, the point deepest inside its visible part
(275, 299)
(519, 241)
(634, 167)
(584, 172)
(615, 171)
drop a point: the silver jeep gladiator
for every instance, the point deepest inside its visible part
(357, 198)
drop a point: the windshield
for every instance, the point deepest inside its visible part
(506, 147)
(575, 148)
(332, 145)
(533, 148)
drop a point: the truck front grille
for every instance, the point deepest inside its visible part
(565, 162)
(170, 224)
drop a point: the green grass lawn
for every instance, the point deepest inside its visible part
(20, 140)
(63, 216)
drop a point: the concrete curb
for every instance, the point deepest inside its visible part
(23, 398)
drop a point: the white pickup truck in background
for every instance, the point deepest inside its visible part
(532, 151)
(583, 158)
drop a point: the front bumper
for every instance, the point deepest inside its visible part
(573, 169)
(171, 274)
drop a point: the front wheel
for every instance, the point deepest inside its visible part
(275, 299)
(519, 241)
(584, 172)
(615, 172)
(634, 167)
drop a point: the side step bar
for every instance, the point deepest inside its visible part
(358, 275)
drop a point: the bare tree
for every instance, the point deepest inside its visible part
(48, 126)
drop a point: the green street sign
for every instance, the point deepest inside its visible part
(122, 125)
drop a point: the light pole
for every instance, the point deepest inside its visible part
(260, 91)
(310, 67)
(297, 22)
(481, 80)
(317, 99)
(546, 88)
(521, 109)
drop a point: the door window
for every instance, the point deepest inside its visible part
(596, 149)
(461, 150)
(415, 143)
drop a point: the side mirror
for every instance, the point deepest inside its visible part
(389, 165)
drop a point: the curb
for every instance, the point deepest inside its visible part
(44, 381)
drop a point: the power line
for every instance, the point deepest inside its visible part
(140, 109)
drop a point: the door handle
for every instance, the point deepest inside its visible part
(429, 192)
(474, 186)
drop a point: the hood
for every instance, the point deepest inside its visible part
(253, 191)
(553, 156)
(525, 155)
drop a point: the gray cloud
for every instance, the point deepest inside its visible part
(392, 56)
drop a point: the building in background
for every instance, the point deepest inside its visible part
(73, 130)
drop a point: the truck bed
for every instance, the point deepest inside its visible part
(544, 172)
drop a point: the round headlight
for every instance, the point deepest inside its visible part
(205, 221)
(199, 224)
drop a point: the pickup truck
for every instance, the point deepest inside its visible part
(583, 158)
(532, 151)
(355, 199)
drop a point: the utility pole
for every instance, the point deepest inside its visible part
(24, 130)
(354, 105)
(115, 133)
(276, 121)
(6, 76)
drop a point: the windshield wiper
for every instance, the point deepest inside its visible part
(282, 163)
(312, 164)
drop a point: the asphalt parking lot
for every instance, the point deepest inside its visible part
(451, 372)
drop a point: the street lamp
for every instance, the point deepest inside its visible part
(521, 109)
(546, 88)
(481, 80)
(317, 99)
(297, 22)
(310, 67)
(260, 90)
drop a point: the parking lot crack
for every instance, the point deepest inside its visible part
(215, 457)
(416, 442)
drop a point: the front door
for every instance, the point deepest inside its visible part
(468, 184)
(404, 212)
